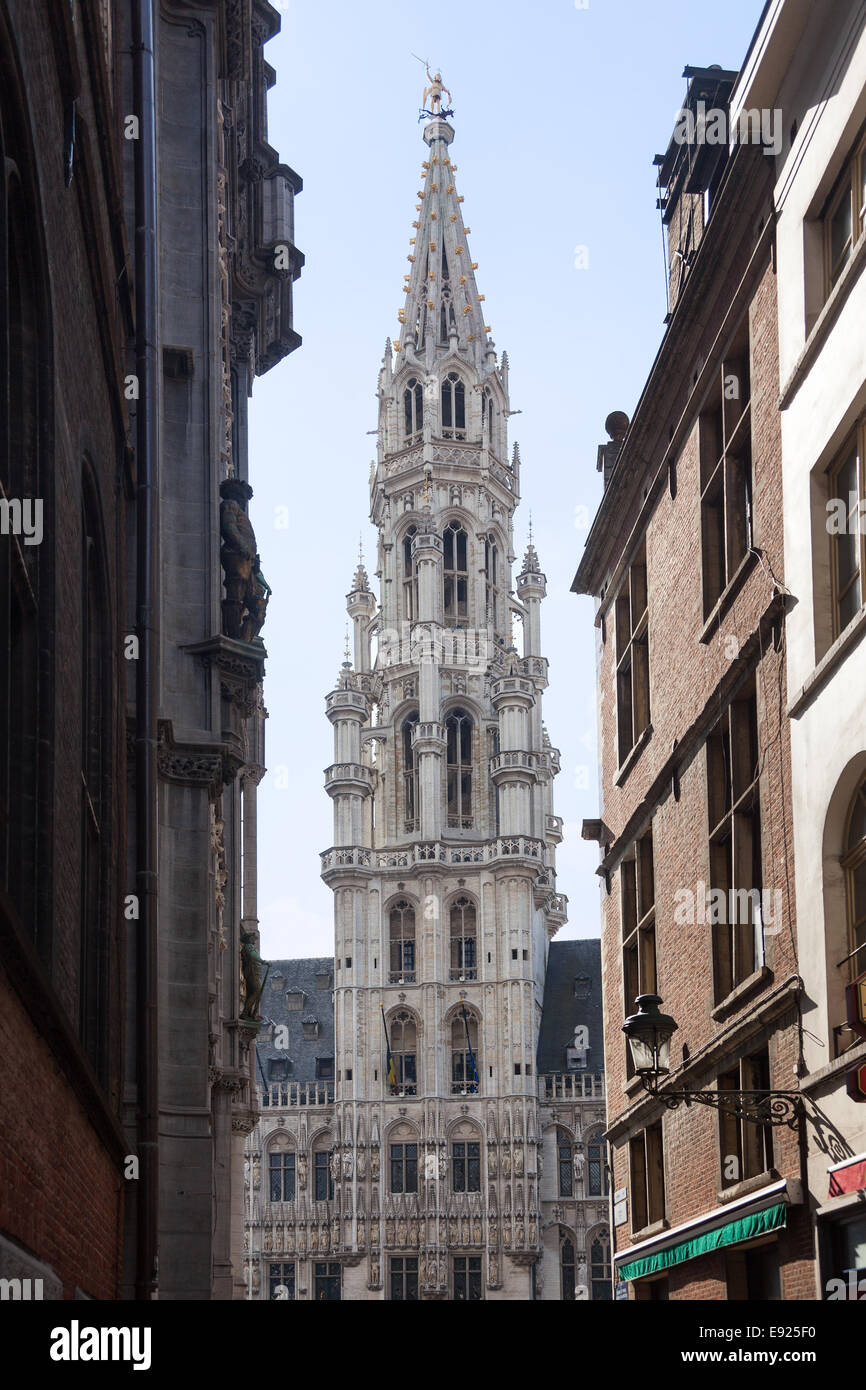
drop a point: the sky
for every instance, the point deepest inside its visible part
(559, 108)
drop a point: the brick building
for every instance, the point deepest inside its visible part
(146, 229)
(686, 561)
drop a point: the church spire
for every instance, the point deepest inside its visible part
(443, 310)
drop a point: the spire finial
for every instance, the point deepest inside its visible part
(360, 550)
(530, 528)
(346, 661)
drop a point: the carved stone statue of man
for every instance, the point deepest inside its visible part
(254, 982)
(247, 590)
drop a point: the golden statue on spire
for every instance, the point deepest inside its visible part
(433, 108)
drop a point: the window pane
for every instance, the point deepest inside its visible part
(840, 235)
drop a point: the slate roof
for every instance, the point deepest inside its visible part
(562, 1008)
(286, 976)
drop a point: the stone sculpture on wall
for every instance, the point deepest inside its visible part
(247, 590)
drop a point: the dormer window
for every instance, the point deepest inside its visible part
(453, 407)
(413, 410)
(310, 1026)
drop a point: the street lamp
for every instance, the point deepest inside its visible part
(649, 1034)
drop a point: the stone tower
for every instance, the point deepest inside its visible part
(442, 865)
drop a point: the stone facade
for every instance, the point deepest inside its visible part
(297, 1225)
(151, 263)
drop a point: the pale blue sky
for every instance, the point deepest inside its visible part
(558, 111)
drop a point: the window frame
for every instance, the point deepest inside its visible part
(735, 837)
(853, 859)
(638, 923)
(452, 404)
(459, 969)
(726, 474)
(856, 444)
(851, 183)
(322, 1168)
(465, 1165)
(405, 973)
(632, 656)
(750, 1143)
(459, 778)
(647, 1177)
(455, 578)
(403, 1166)
(413, 411)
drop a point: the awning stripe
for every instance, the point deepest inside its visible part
(757, 1224)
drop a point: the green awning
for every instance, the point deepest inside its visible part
(758, 1224)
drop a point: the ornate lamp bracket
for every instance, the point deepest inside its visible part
(757, 1107)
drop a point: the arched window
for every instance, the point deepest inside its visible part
(854, 864)
(565, 1163)
(465, 1161)
(281, 1171)
(458, 739)
(455, 568)
(401, 924)
(410, 578)
(463, 940)
(453, 407)
(465, 1071)
(411, 818)
(404, 1052)
(491, 581)
(599, 1266)
(413, 410)
(566, 1266)
(598, 1175)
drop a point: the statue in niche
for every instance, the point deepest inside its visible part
(491, 1161)
(257, 1278)
(314, 1239)
(374, 1163)
(506, 1163)
(254, 982)
(374, 1233)
(362, 1164)
(374, 1274)
(476, 1230)
(578, 1165)
(443, 1165)
(521, 1231)
(401, 1231)
(493, 1266)
(506, 1232)
(533, 1231)
(347, 1165)
(334, 1166)
(326, 1238)
(257, 1170)
(422, 1268)
(518, 1161)
(302, 1171)
(452, 1231)
(413, 1231)
(247, 590)
(389, 1231)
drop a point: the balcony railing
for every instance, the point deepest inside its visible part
(466, 972)
(401, 977)
(288, 1093)
(571, 1086)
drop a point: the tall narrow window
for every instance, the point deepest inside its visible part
(746, 1147)
(404, 1167)
(637, 906)
(646, 1162)
(281, 1172)
(854, 864)
(846, 523)
(466, 1166)
(566, 1264)
(597, 1185)
(453, 407)
(735, 843)
(413, 410)
(488, 417)
(599, 1267)
(404, 1052)
(467, 1278)
(410, 578)
(404, 1278)
(845, 217)
(632, 656)
(491, 581)
(411, 813)
(463, 939)
(565, 1163)
(724, 435)
(401, 921)
(328, 1281)
(455, 572)
(465, 1067)
(458, 737)
(324, 1183)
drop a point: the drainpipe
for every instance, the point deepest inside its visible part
(147, 627)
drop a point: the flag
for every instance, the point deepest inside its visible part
(390, 1074)
(473, 1070)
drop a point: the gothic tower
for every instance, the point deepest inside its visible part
(442, 865)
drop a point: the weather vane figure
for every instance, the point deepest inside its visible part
(431, 102)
